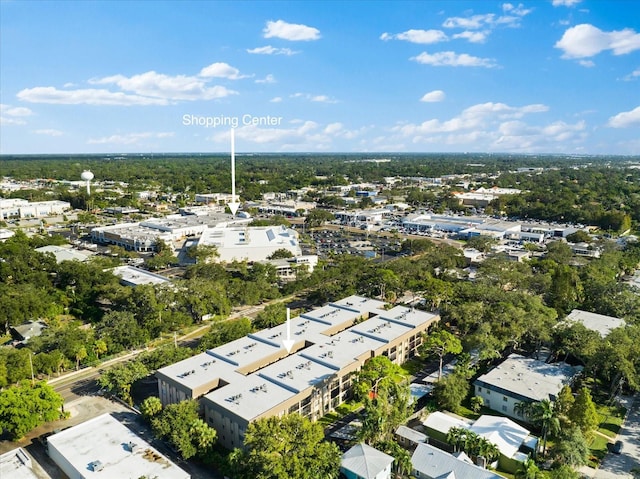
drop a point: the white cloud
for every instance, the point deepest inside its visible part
(221, 70)
(87, 96)
(49, 132)
(314, 98)
(453, 59)
(167, 88)
(625, 118)
(12, 115)
(473, 37)
(15, 110)
(565, 3)
(333, 128)
(433, 96)
(269, 50)
(276, 99)
(417, 36)
(479, 116)
(514, 13)
(633, 75)
(587, 63)
(268, 79)
(518, 10)
(473, 22)
(290, 31)
(128, 139)
(585, 40)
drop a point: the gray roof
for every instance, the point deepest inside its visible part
(596, 322)
(434, 463)
(365, 461)
(62, 253)
(411, 434)
(528, 378)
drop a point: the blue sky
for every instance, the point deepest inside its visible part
(544, 76)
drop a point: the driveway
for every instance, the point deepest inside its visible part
(619, 466)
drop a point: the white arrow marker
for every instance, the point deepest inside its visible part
(288, 343)
(233, 206)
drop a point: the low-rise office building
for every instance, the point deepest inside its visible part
(104, 447)
(255, 376)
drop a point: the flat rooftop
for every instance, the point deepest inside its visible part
(408, 316)
(595, 322)
(528, 377)
(338, 351)
(381, 329)
(136, 276)
(16, 464)
(105, 439)
(361, 304)
(246, 351)
(332, 316)
(199, 370)
(301, 329)
(296, 373)
(251, 397)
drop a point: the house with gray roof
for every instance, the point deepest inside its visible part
(595, 322)
(429, 462)
(366, 462)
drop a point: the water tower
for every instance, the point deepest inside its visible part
(87, 176)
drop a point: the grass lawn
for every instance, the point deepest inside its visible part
(599, 448)
(610, 420)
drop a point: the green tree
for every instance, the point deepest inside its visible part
(386, 394)
(150, 408)
(99, 348)
(272, 315)
(286, 447)
(571, 448)
(281, 253)
(563, 404)
(81, 355)
(181, 426)
(440, 343)
(25, 406)
(317, 217)
(529, 470)
(119, 379)
(450, 391)
(583, 413)
(476, 403)
(543, 414)
(223, 332)
(564, 471)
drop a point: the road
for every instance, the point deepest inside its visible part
(620, 466)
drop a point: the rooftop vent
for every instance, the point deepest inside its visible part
(96, 466)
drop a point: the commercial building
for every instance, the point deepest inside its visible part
(255, 376)
(143, 236)
(104, 447)
(15, 208)
(250, 243)
(17, 464)
(520, 379)
(132, 276)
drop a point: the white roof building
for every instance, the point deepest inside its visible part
(132, 276)
(593, 321)
(17, 464)
(104, 447)
(519, 379)
(250, 243)
(256, 376)
(65, 253)
(505, 434)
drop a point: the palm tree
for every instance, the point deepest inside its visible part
(544, 415)
(528, 470)
(454, 437)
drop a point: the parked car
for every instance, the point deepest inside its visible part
(617, 447)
